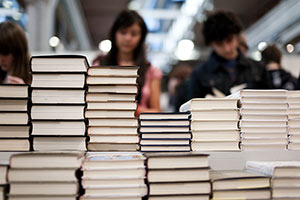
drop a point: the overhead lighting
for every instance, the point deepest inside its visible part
(290, 48)
(105, 46)
(54, 41)
(256, 55)
(184, 49)
(7, 3)
(262, 45)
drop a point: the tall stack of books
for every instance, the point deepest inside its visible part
(44, 176)
(58, 102)
(238, 184)
(111, 108)
(114, 176)
(263, 119)
(285, 176)
(178, 176)
(214, 124)
(164, 132)
(294, 119)
(3, 181)
(14, 120)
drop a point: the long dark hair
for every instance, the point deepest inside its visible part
(13, 41)
(124, 20)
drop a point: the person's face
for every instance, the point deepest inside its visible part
(227, 48)
(6, 62)
(127, 39)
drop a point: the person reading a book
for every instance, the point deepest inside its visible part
(227, 70)
(280, 79)
(14, 55)
(127, 36)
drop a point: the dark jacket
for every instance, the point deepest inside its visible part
(213, 73)
(281, 79)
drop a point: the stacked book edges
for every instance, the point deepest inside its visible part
(164, 132)
(214, 124)
(180, 176)
(264, 119)
(58, 102)
(44, 175)
(111, 108)
(14, 117)
(114, 176)
(285, 177)
(293, 98)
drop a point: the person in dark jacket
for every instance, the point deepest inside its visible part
(298, 83)
(226, 67)
(280, 79)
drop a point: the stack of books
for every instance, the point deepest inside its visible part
(214, 124)
(178, 176)
(58, 102)
(263, 119)
(164, 132)
(111, 108)
(236, 184)
(3, 181)
(14, 119)
(44, 176)
(114, 176)
(294, 119)
(285, 176)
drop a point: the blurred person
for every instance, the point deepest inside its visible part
(280, 79)
(177, 86)
(14, 55)
(127, 36)
(227, 70)
(298, 83)
(243, 46)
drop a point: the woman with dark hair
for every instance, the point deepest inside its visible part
(127, 36)
(14, 54)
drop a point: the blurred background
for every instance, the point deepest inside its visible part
(175, 43)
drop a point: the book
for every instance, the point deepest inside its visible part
(269, 129)
(131, 182)
(14, 131)
(179, 188)
(14, 90)
(165, 148)
(266, 135)
(266, 106)
(263, 123)
(263, 99)
(260, 93)
(262, 111)
(275, 168)
(113, 71)
(106, 80)
(114, 173)
(183, 135)
(264, 117)
(42, 175)
(164, 141)
(110, 97)
(59, 63)
(114, 139)
(204, 125)
(163, 129)
(114, 105)
(58, 96)
(238, 180)
(243, 194)
(112, 147)
(49, 128)
(111, 122)
(13, 104)
(13, 118)
(215, 114)
(43, 188)
(41, 160)
(286, 193)
(14, 144)
(215, 146)
(180, 197)
(216, 135)
(164, 116)
(110, 114)
(285, 182)
(177, 175)
(262, 140)
(204, 104)
(42, 197)
(59, 143)
(57, 112)
(117, 197)
(3, 174)
(113, 88)
(164, 122)
(99, 130)
(57, 80)
(262, 147)
(106, 191)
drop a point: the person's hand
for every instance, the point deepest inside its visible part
(14, 80)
